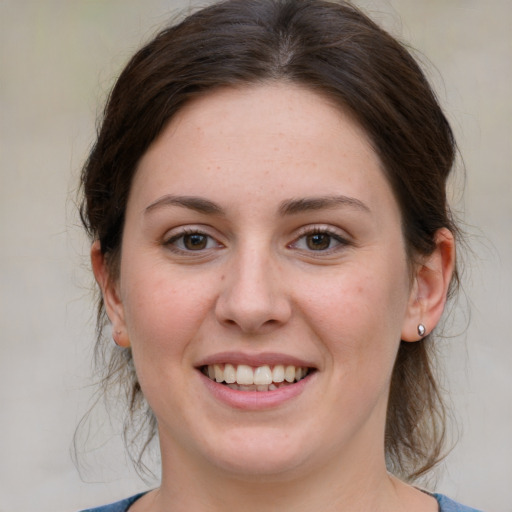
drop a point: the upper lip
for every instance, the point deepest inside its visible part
(255, 359)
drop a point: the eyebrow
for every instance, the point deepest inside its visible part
(289, 207)
(294, 206)
(198, 204)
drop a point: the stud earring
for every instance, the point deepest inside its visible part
(421, 330)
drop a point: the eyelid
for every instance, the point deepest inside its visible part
(323, 228)
(339, 235)
(178, 232)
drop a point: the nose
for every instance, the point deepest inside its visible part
(254, 297)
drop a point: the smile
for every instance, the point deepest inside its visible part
(243, 377)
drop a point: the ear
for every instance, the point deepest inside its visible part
(430, 287)
(110, 292)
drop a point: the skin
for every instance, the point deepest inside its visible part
(327, 282)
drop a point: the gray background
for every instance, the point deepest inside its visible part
(57, 62)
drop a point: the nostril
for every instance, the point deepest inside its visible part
(251, 325)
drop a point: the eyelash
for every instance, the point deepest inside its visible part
(310, 231)
(172, 242)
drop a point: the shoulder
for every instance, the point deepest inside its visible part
(445, 505)
(448, 505)
(118, 506)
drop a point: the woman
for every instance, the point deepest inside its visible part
(266, 201)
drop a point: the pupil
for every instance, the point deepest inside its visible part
(318, 241)
(195, 242)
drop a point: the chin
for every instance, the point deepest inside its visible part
(257, 455)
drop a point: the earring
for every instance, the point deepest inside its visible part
(421, 330)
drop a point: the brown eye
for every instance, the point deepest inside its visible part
(321, 241)
(195, 242)
(318, 241)
(191, 242)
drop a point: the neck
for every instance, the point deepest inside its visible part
(335, 486)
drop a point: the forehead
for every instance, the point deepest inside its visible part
(274, 140)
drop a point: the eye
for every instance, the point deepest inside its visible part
(192, 241)
(319, 240)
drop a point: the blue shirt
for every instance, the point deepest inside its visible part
(445, 505)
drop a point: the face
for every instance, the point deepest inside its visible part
(263, 284)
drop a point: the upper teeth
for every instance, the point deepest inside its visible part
(260, 375)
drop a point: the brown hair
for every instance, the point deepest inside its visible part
(337, 51)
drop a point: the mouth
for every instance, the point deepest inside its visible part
(243, 377)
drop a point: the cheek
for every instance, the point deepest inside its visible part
(358, 315)
(163, 317)
(164, 311)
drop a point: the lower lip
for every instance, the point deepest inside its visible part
(255, 400)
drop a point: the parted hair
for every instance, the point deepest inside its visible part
(337, 51)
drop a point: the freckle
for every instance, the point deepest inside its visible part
(222, 277)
